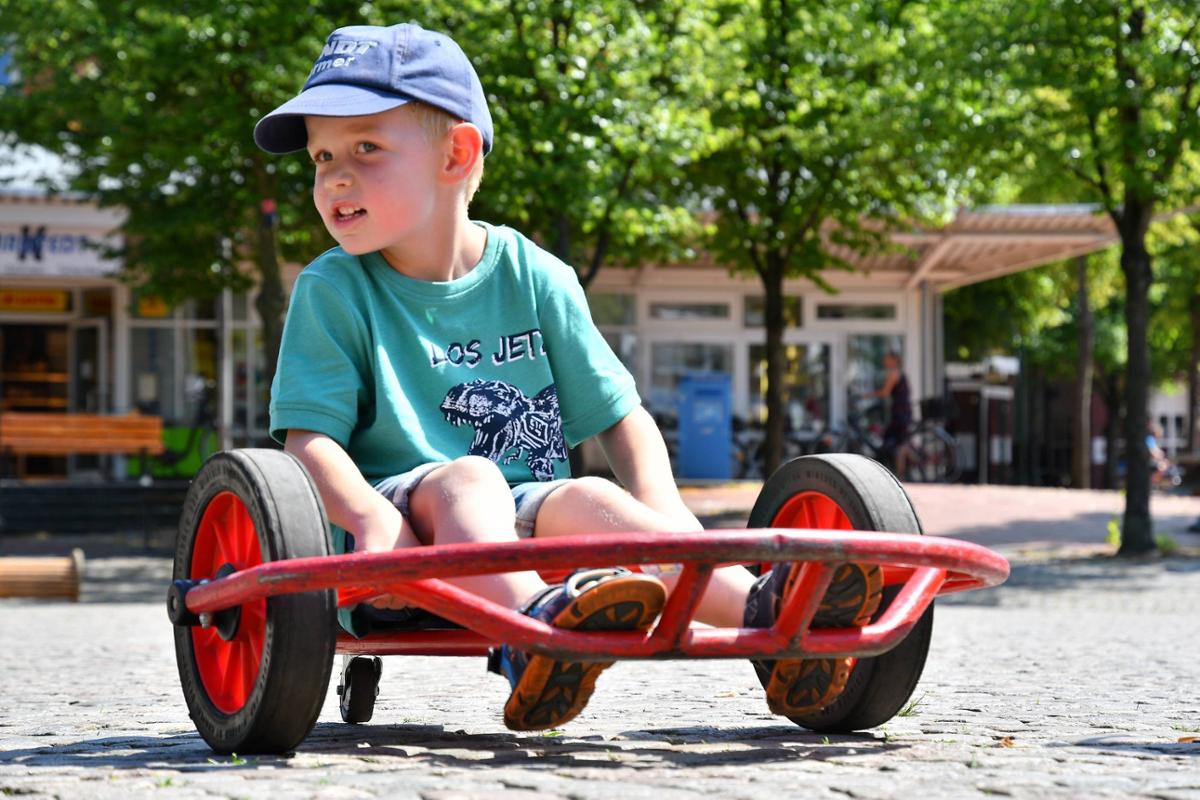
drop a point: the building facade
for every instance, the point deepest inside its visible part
(73, 337)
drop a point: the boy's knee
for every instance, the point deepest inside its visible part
(594, 491)
(473, 471)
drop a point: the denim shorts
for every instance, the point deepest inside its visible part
(528, 497)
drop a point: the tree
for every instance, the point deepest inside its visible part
(1101, 95)
(593, 103)
(153, 103)
(826, 138)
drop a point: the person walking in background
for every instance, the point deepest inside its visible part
(900, 413)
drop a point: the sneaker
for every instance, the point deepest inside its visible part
(798, 686)
(547, 692)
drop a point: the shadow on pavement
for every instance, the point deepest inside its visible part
(1086, 528)
(433, 745)
(1127, 747)
(1093, 573)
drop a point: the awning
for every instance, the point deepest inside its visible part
(991, 241)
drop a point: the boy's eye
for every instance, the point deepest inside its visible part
(321, 155)
(367, 147)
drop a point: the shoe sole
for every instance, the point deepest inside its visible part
(806, 685)
(552, 692)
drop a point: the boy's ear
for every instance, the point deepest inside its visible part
(464, 149)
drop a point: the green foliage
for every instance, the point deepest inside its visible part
(154, 104)
(1113, 533)
(822, 120)
(1175, 299)
(1166, 544)
(598, 105)
(1086, 94)
(1041, 319)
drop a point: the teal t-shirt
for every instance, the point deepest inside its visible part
(503, 362)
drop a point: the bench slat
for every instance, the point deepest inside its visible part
(63, 434)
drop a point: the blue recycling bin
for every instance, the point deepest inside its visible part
(705, 447)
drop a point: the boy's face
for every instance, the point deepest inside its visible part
(376, 178)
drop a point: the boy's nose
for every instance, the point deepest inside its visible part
(337, 178)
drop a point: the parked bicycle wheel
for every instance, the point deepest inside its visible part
(930, 456)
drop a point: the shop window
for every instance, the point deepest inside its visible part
(152, 356)
(199, 376)
(677, 312)
(864, 362)
(33, 367)
(204, 308)
(805, 385)
(755, 312)
(241, 307)
(671, 361)
(864, 311)
(250, 390)
(612, 309)
(615, 314)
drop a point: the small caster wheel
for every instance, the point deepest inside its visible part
(359, 688)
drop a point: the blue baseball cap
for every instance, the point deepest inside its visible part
(366, 69)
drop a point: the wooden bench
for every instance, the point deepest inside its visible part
(24, 433)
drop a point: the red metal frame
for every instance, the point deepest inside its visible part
(925, 566)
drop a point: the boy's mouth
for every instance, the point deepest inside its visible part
(345, 214)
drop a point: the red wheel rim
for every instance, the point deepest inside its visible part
(819, 512)
(228, 669)
(812, 510)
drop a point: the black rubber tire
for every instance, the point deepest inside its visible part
(359, 688)
(300, 634)
(873, 500)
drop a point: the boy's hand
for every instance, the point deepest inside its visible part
(351, 502)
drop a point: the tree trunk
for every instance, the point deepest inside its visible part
(1137, 535)
(1082, 460)
(270, 302)
(772, 279)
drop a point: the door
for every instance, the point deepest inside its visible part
(89, 367)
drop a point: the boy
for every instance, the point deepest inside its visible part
(434, 368)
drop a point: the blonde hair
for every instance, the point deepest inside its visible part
(436, 124)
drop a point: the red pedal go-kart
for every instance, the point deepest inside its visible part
(256, 590)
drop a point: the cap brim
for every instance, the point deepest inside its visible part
(283, 131)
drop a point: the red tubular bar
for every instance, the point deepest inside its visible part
(681, 605)
(937, 565)
(800, 605)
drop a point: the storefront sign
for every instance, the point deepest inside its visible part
(42, 250)
(34, 300)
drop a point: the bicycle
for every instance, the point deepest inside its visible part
(930, 453)
(750, 446)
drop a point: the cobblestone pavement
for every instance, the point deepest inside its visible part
(1078, 678)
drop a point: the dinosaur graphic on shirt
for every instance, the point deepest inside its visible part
(508, 425)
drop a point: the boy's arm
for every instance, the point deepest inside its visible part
(350, 502)
(638, 456)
